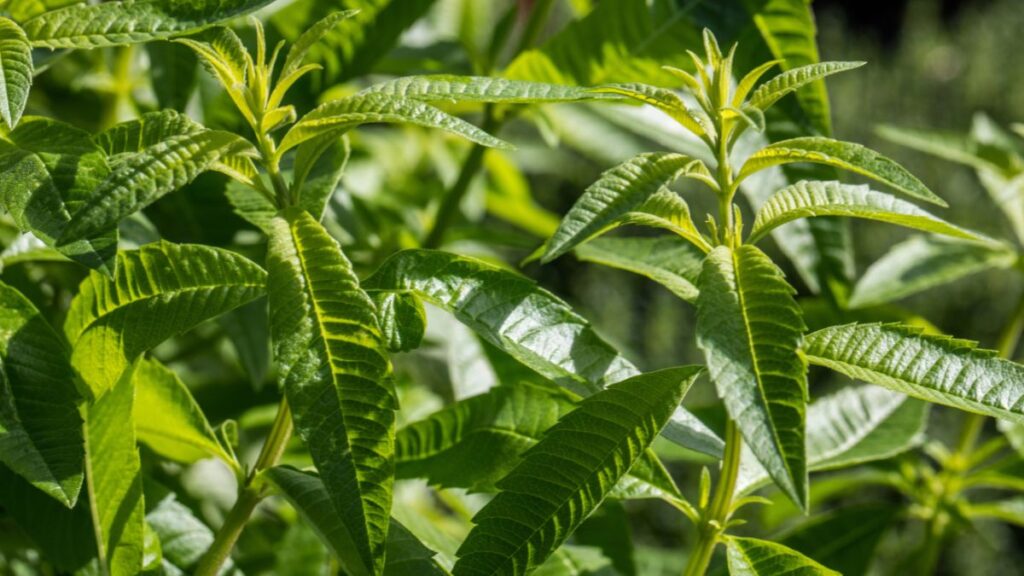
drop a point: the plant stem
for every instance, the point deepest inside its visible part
(449, 207)
(249, 495)
(717, 515)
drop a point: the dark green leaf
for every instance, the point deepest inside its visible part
(753, 557)
(15, 71)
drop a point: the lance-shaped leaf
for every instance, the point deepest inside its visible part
(1010, 510)
(529, 323)
(334, 369)
(183, 537)
(15, 71)
(144, 132)
(309, 39)
(670, 261)
(569, 472)
(849, 427)
(619, 191)
(924, 262)
(663, 99)
(809, 199)
(750, 328)
(448, 88)
(844, 539)
(844, 155)
(141, 179)
(115, 479)
(168, 420)
(40, 427)
(339, 116)
(934, 368)
(160, 290)
(405, 554)
(753, 557)
(792, 80)
(474, 443)
(402, 320)
(47, 170)
(129, 21)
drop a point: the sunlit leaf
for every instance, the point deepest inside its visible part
(15, 71)
(672, 262)
(753, 557)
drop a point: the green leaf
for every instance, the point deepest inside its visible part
(934, 368)
(15, 71)
(529, 323)
(844, 539)
(183, 537)
(670, 261)
(850, 427)
(924, 262)
(248, 328)
(168, 419)
(809, 199)
(590, 449)
(402, 320)
(665, 100)
(173, 76)
(141, 179)
(47, 170)
(475, 442)
(1010, 510)
(843, 155)
(335, 371)
(792, 80)
(450, 88)
(405, 555)
(115, 479)
(339, 116)
(750, 329)
(159, 290)
(64, 537)
(129, 21)
(753, 557)
(40, 427)
(619, 191)
(319, 166)
(27, 247)
(145, 132)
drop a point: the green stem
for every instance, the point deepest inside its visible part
(249, 496)
(449, 207)
(709, 533)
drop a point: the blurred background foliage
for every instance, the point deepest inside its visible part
(932, 64)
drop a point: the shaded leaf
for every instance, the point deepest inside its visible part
(15, 71)
(753, 557)
(564, 478)
(750, 329)
(402, 320)
(843, 539)
(672, 262)
(40, 427)
(160, 290)
(183, 537)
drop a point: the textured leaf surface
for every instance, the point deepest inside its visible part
(47, 170)
(750, 328)
(529, 323)
(40, 427)
(167, 418)
(183, 537)
(448, 88)
(15, 71)
(663, 99)
(925, 262)
(339, 116)
(402, 320)
(116, 479)
(335, 371)
(129, 21)
(792, 80)
(809, 199)
(852, 426)
(146, 131)
(475, 442)
(565, 477)
(159, 290)
(143, 178)
(844, 155)
(405, 556)
(672, 262)
(617, 192)
(934, 368)
(310, 38)
(753, 557)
